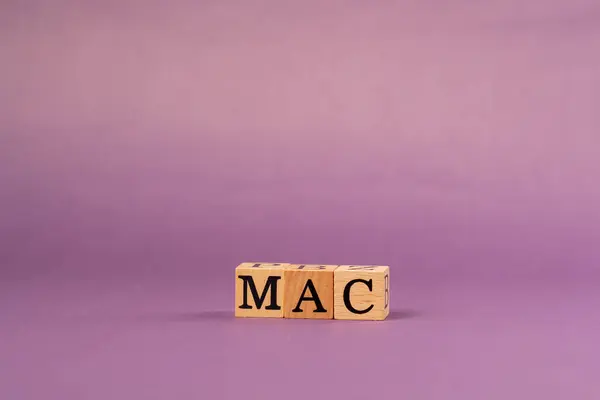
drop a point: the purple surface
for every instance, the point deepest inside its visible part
(146, 150)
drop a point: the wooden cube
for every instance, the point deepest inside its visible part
(308, 291)
(259, 290)
(362, 292)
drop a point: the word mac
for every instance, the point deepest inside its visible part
(271, 290)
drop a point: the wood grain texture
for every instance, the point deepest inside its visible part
(259, 290)
(308, 291)
(361, 292)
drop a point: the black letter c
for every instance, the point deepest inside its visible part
(347, 303)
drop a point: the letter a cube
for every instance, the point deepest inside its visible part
(362, 292)
(259, 290)
(308, 291)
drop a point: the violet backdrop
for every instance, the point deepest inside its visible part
(147, 148)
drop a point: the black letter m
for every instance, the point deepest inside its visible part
(259, 300)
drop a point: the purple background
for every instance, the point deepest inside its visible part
(146, 149)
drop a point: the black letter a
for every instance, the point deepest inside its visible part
(271, 282)
(315, 297)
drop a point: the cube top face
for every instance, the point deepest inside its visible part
(362, 293)
(259, 290)
(309, 291)
(368, 268)
(261, 265)
(312, 267)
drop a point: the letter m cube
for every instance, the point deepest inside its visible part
(259, 290)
